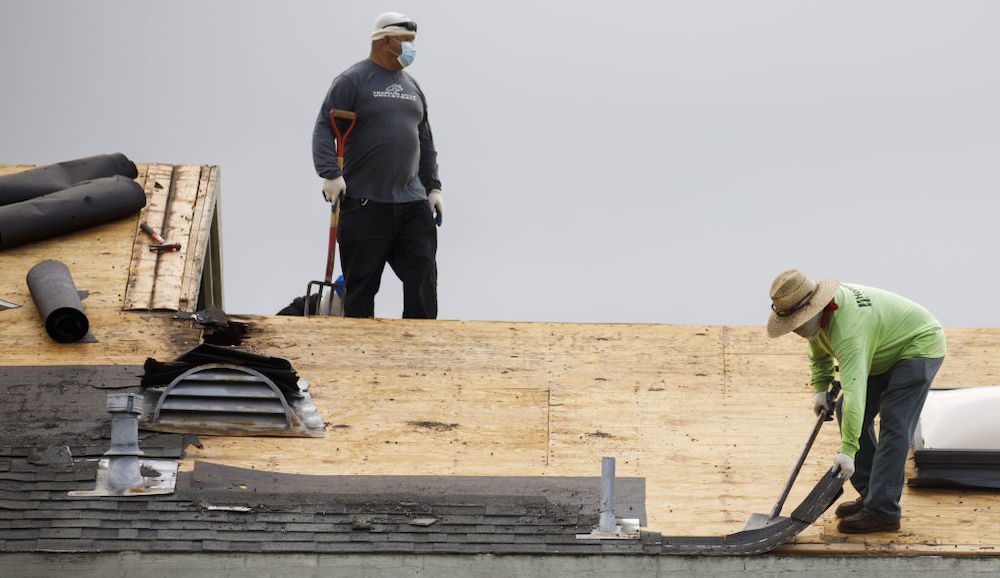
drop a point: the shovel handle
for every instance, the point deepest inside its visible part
(831, 401)
(341, 138)
(826, 415)
(337, 114)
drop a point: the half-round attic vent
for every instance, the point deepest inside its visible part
(223, 397)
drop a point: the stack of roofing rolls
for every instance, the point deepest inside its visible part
(57, 199)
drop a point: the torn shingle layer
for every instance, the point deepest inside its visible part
(54, 425)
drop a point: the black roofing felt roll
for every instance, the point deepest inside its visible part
(51, 178)
(58, 301)
(85, 205)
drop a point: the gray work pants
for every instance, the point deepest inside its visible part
(896, 396)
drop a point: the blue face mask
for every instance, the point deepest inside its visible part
(409, 53)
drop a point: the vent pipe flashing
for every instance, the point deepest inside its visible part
(119, 472)
(123, 457)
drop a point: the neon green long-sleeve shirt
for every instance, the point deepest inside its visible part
(869, 332)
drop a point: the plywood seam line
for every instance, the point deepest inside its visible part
(725, 360)
(548, 424)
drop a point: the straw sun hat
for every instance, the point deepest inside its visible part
(795, 299)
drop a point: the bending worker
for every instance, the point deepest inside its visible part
(390, 191)
(889, 350)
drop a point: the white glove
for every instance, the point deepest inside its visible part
(333, 188)
(437, 205)
(820, 402)
(845, 464)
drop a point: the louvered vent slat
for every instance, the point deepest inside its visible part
(231, 405)
(190, 389)
(224, 376)
(222, 396)
(220, 420)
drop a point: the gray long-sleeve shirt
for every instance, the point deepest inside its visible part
(389, 156)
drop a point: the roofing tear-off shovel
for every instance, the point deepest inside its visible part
(758, 521)
(327, 284)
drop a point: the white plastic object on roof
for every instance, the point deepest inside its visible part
(965, 419)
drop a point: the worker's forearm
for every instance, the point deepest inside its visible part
(854, 381)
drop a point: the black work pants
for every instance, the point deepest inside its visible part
(403, 235)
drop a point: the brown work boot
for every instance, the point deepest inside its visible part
(863, 523)
(846, 509)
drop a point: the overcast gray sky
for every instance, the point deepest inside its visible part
(602, 161)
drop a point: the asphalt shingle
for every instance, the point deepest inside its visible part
(40, 460)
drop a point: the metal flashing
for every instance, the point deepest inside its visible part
(159, 478)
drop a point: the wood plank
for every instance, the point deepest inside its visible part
(170, 267)
(139, 247)
(142, 272)
(194, 259)
(198, 245)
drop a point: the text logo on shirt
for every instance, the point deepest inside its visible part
(394, 91)
(860, 298)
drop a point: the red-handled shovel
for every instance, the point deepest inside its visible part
(341, 140)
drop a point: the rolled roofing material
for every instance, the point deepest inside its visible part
(49, 179)
(79, 207)
(58, 301)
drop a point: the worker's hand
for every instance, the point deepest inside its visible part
(437, 205)
(845, 465)
(821, 402)
(333, 188)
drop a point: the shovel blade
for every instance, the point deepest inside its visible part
(318, 288)
(758, 521)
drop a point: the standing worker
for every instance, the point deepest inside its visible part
(389, 189)
(889, 350)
